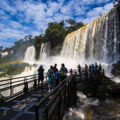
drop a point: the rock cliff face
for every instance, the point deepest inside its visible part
(98, 40)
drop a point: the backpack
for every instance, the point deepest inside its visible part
(63, 71)
(56, 75)
(50, 77)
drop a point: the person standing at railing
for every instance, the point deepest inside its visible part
(63, 71)
(57, 78)
(100, 68)
(79, 69)
(40, 75)
(55, 68)
(92, 68)
(86, 71)
(71, 71)
(51, 78)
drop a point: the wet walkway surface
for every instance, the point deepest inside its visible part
(23, 107)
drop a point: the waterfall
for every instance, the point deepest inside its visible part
(98, 40)
(44, 51)
(30, 54)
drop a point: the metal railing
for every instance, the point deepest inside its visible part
(15, 86)
(55, 104)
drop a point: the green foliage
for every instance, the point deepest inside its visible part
(55, 33)
(12, 69)
(6, 59)
(18, 49)
(2, 75)
(73, 25)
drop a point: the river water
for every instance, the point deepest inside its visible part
(93, 109)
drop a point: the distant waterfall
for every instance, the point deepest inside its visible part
(30, 54)
(98, 40)
(44, 51)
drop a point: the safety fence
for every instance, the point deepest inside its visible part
(54, 105)
(15, 86)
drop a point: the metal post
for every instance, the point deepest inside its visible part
(25, 85)
(11, 87)
(38, 113)
(35, 82)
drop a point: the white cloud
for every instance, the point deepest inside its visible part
(95, 13)
(32, 17)
(15, 25)
(10, 33)
(6, 7)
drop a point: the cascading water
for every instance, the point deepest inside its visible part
(44, 51)
(30, 54)
(93, 109)
(97, 40)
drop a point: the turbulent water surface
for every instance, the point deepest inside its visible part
(93, 109)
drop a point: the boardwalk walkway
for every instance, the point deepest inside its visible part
(23, 106)
(26, 100)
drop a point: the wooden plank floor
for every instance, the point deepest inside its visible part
(22, 107)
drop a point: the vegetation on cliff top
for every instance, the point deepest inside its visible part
(55, 34)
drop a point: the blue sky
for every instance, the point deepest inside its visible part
(19, 18)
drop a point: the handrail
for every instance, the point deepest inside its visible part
(9, 85)
(24, 81)
(39, 103)
(46, 107)
(52, 95)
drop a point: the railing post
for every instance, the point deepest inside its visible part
(59, 105)
(35, 82)
(11, 87)
(103, 73)
(45, 116)
(38, 113)
(66, 94)
(46, 78)
(25, 85)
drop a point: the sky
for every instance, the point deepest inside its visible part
(19, 18)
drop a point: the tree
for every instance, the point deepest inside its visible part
(73, 25)
(55, 33)
(71, 22)
(1, 49)
(28, 37)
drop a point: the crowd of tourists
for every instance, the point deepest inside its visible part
(56, 76)
(92, 68)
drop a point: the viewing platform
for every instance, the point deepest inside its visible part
(27, 100)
